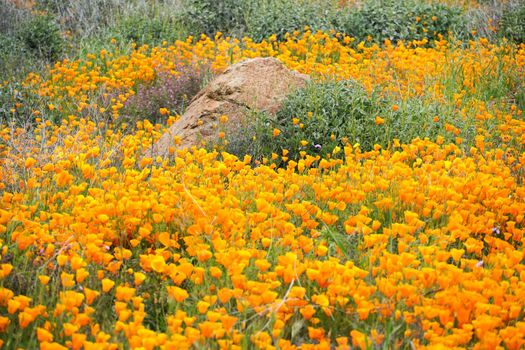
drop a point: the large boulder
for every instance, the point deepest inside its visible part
(254, 84)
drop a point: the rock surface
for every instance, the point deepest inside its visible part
(253, 84)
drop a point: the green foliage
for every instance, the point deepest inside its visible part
(405, 20)
(8, 44)
(258, 19)
(342, 109)
(15, 59)
(378, 20)
(211, 16)
(333, 114)
(513, 23)
(11, 50)
(148, 30)
(283, 16)
(41, 35)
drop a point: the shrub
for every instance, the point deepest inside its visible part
(341, 109)
(281, 16)
(326, 115)
(513, 23)
(258, 19)
(41, 35)
(15, 60)
(148, 30)
(393, 20)
(11, 50)
(211, 16)
(405, 20)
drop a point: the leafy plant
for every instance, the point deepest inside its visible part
(16, 60)
(210, 16)
(513, 23)
(325, 116)
(405, 20)
(259, 19)
(41, 35)
(148, 30)
(280, 17)
(11, 49)
(341, 109)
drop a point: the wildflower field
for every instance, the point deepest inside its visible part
(403, 231)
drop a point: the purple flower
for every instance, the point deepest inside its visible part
(317, 146)
(167, 90)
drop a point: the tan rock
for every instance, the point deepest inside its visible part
(253, 84)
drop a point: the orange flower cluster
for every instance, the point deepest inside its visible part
(205, 248)
(417, 245)
(103, 82)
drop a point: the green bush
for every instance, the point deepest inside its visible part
(279, 17)
(41, 36)
(211, 16)
(9, 54)
(258, 19)
(379, 20)
(7, 43)
(148, 30)
(342, 109)
(513, 23)
(324, 115)
(15, 60)
(403, 20)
